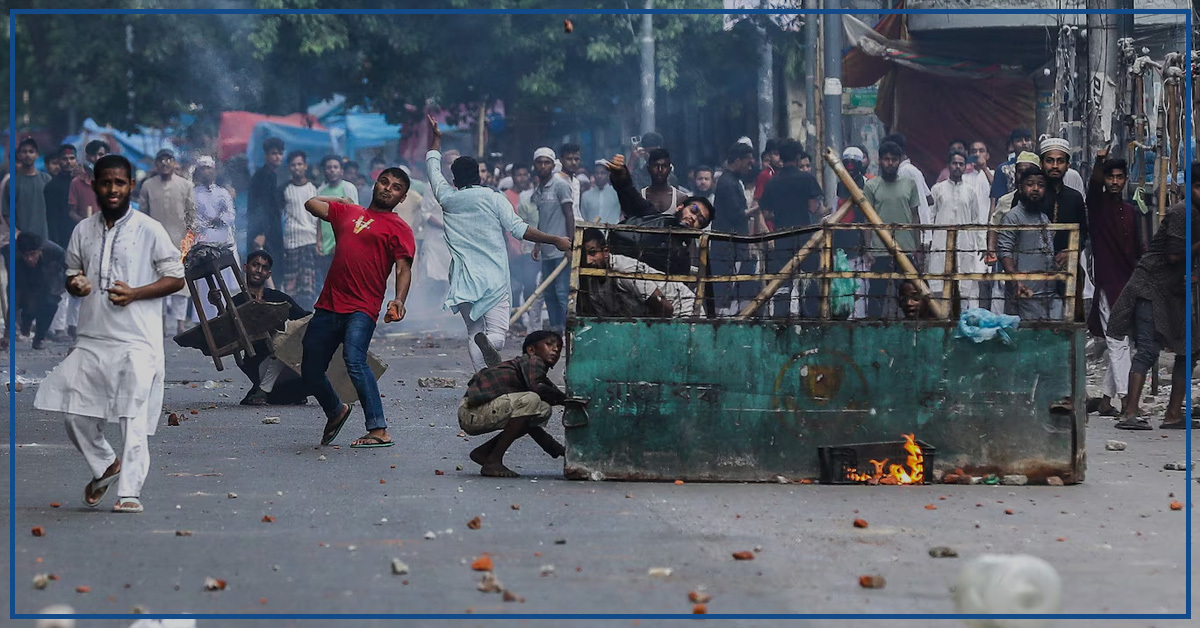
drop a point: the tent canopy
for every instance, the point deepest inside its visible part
(237, 127)
(316, 143)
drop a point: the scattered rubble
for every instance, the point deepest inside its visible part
(515, 506)
(429, 536)
(475, 523)
(83, 589)
(231, 495)
(398, 567)
(1115, 445)
(699, 597)
(872, 582)
(546, 570)
(1054, 480)
(483, 563)
(173, 419)
(490, 584)
(660, 572)
(700, 609)
(183, 533)
(1014, 480)
(1176, 505)
(268, 519)
(41, 581)
(743, 555)
(437, 382)
(1175, 466)
(214, 584)
(860, 523)
(942, 551)
(38, 531)
(270, 420)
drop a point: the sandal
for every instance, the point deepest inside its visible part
(379, 442)
(100, 487)
(334, 428)
(128, 504)
(1178, 425)
(1134, 424)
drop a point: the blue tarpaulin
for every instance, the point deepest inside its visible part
(138, 148)
(368, 130)
(315, 142)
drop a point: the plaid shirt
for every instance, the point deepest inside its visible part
(526, 373)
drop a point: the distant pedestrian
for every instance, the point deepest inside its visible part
(167, 198)
(300, 229)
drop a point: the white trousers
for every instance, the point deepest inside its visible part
(175, 309)
(67, 314)
(493, 324)
(1116, 372)
(269, 372)
(87, 434)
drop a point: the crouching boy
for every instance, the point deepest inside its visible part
(515, 398)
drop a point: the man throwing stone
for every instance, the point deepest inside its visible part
(371, 242)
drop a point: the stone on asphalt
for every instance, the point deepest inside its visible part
(1115, 445)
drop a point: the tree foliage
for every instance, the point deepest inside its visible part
(280, 63)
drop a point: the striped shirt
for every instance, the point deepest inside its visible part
(299, 226)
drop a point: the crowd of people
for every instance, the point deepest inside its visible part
(100, 265)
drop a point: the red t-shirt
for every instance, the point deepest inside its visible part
(368, 244)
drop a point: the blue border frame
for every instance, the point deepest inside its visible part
(12, 362)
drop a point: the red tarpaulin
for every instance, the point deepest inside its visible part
(236, 127)
(931, 109)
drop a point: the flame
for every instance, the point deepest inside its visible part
(912, 472)
(185, 245)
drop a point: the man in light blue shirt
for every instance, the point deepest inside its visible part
(476, 219)
(599, 203)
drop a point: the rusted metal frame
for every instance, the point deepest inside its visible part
(700, 285)
(951, 265)
(826, 282)
(573, 292)
(845, 274)
(538, 292)
(885, 236)
(1072, 264)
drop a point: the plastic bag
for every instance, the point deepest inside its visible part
(979, 325)
(841, 290)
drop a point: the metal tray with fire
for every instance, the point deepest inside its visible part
(896, 462)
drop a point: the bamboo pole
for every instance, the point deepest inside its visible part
(826, 283)
(951, 266)
(1072, 265)
(540, 289)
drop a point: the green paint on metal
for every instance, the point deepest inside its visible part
(753, 400)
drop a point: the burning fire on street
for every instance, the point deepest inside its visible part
(845, 464)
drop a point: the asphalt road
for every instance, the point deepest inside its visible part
(340, 517)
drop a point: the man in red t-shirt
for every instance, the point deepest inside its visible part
(370, 242)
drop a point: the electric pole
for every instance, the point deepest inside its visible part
(647, 69)
(766, 82)
(832, 32)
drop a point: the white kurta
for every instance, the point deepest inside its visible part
(116, 368)
(958, 204)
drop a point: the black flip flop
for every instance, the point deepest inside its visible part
(1178, 425)
(330, 436)
(1134, 424)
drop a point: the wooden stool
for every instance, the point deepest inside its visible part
(240, 344)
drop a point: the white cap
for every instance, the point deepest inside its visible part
(852, 152)
(204, 161)
(505, 184)
(545, 152)
(1054, 143)
(745, 140)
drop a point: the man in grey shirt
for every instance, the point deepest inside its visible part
(30, 184)
(1030, 250)
(556, 217)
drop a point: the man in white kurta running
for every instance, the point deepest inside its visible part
(476, 219)
(121, 263)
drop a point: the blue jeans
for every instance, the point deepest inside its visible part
(556, 293)
(326, 331)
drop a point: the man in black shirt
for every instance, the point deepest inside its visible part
(792, 198)
(264, 212)
(732, 217)
(273, 383)
(57, 193)
(41, 266)
(1068, 204)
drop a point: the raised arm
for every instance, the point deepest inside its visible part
(632, 203)
(319, 206)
